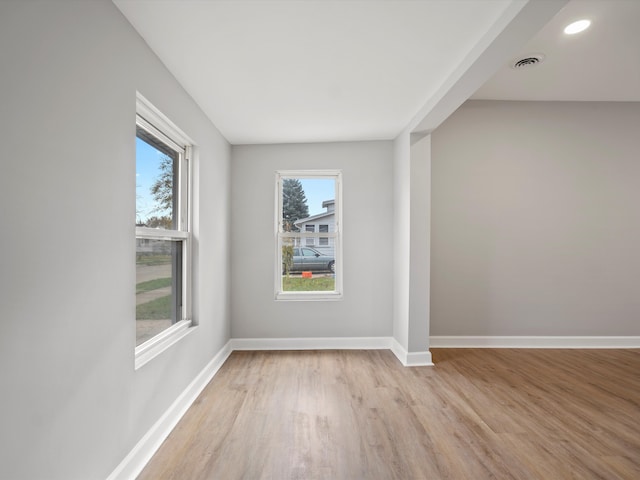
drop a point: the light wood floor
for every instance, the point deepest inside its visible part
(478, 414)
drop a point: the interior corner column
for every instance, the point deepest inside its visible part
(412, 256)
(420, 246)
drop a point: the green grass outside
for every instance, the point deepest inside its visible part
(158, 309)
(153, 259)
(153, 284)
(315, 284)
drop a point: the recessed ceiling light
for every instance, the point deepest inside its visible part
(577, 27)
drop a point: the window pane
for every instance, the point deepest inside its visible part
(306, 202)
(158, 286)
(306, 269)
(156, 182)
(323, 241)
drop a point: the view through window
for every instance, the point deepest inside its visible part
(161, 232)
(308, 233)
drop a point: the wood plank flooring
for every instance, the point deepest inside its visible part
(478, 414)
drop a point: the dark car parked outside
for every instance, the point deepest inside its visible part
(311, 260)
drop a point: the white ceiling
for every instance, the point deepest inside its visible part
(600, 64)
(329, 70)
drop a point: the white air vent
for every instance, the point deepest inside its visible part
(527, 62)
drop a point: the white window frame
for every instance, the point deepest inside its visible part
(280, 234)
(154, 122)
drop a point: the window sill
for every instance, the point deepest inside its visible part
(161, 342)
(308, 296)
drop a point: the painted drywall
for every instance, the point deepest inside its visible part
(535, 220)
(412, 195)
(401, 237)
(419, 248)
(366, 309)
(72, 404)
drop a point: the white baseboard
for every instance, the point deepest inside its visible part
(136, 460)
(533, 342)
(411, 359)
(328, 343)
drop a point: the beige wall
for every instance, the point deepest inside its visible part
(536, 220)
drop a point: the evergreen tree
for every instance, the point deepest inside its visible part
(294, 203)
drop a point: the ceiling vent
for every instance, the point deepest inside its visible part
(527, 62)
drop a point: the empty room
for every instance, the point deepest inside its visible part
(320, 239)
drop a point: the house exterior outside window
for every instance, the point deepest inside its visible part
(322, 223)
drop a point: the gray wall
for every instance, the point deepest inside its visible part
(366, 309)
(72, 404)
(536, 220)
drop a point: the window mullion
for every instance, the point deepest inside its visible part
(160, 234)
(307, 234)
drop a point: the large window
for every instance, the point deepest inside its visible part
(163, 237)
(308, 260)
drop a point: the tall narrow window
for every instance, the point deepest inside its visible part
(308, 235)
(162, 229)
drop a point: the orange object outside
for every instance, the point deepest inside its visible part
(307, 275)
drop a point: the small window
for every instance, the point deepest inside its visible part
(314, 272)
(323, 241)
(163, 233)
(310, 240)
